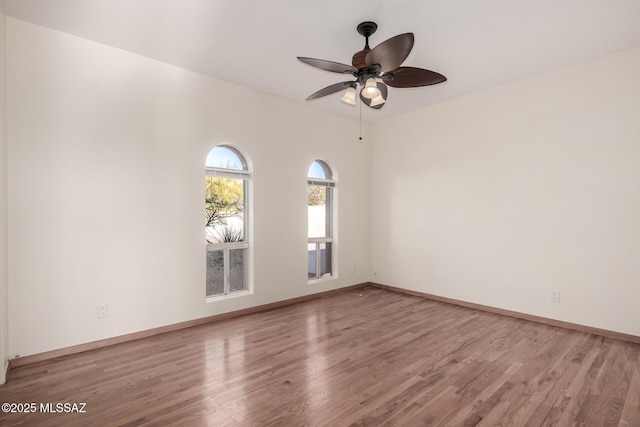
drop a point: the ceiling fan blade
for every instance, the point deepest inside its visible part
(391, 53)
(412, 77)
(334, 67)
(329, 90)
(383, 90)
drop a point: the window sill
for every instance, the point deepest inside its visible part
(228, 296)
(322, 279)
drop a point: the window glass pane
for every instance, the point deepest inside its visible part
(319, 203)
(215, 273)
(312, 260)
(325, 259)
(225, 158)
(237, 270)
(224, 209)
(319, 170)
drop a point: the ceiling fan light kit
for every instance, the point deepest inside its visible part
(374, 70)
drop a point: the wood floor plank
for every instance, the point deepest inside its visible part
(367, 356)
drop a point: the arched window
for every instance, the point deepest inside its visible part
(227, 179)
(320, 205)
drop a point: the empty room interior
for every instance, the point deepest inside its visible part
(417, 213)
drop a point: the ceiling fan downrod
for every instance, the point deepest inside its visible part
(365, 29)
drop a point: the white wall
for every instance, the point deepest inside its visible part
(4, 307)
(500, 197)
(106, 157)
(496, 198)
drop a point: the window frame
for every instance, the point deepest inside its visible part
(244, 175)
(330, 222)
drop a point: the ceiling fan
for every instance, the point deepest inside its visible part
(375, 69)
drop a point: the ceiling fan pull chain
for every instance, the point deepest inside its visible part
(360, 138)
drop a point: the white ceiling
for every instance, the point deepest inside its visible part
(475, 43)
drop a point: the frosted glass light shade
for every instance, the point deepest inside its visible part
(377, 100)
(370, 89)
(349, 96)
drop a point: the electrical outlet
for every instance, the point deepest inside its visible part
(555, 296)
(102, 311)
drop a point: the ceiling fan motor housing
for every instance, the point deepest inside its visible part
(358, 59)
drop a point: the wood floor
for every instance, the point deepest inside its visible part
(364, 357)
